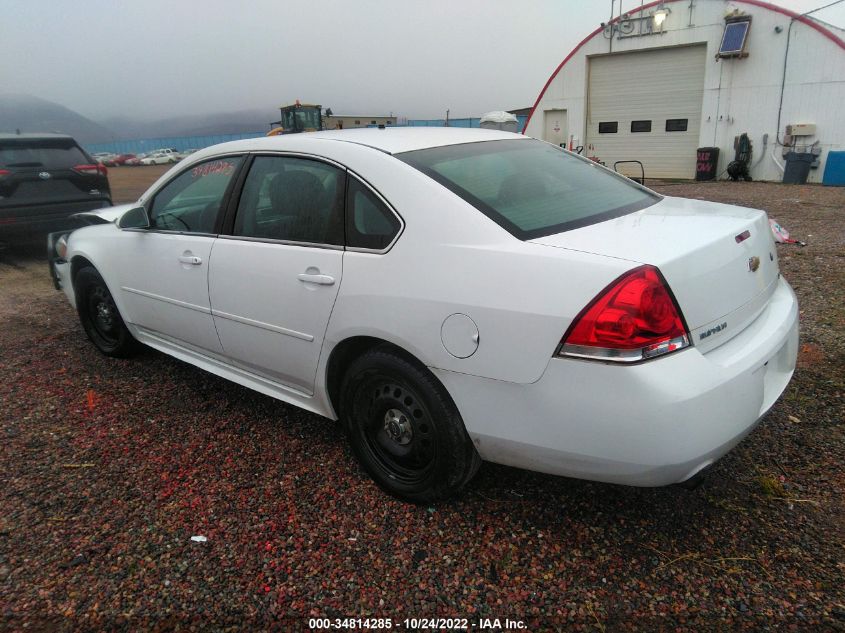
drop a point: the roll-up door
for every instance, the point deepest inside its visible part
(646, 106)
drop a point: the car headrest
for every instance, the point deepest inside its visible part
(296, 192)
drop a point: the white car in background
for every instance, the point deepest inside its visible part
(161, 157)
(452, 295)
(103, 158)
(183, 154)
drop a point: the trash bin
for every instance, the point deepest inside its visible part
(707, 160)
(797, 167)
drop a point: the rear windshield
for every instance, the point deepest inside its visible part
(528, 187)
(47, 154)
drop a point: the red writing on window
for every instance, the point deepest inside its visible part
(223, 167)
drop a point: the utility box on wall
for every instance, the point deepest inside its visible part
(801, 129)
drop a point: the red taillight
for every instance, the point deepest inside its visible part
(4, 172)
(634, 318)
(91, 169)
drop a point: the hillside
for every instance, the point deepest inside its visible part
(194, 125)
(33, 114)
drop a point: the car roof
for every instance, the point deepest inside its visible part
(33, 136)
(394, 140)
(389, 139)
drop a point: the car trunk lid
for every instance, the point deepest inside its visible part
(719, 260)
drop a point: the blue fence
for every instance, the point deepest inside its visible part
(467, 122)
(141, 146)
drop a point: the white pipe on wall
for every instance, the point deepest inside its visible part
(774, 158)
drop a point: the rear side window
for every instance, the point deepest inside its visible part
(48, 154)
(528, 187)
(292, 199)
(369, 223)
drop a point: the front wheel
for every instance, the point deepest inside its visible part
(100, 317)
(405, 429)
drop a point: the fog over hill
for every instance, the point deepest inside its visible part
(256, 120)
(32, 114)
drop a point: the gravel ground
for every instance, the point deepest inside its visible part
(109, 467)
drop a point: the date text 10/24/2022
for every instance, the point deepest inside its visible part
(414, 624)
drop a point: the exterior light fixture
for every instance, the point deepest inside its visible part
(659, 17)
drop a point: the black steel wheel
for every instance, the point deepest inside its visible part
(100, 317)
(404, 427)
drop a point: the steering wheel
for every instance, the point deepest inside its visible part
(175, 217)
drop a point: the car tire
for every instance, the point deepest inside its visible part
(404, 428)
(100, 317)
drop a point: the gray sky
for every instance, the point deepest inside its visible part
(158, 58)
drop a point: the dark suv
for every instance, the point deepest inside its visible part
(44, 178)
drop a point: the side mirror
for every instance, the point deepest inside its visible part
(136, 218)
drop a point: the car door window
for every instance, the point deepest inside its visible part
(369, 223)
(292, 199)
(191, 201)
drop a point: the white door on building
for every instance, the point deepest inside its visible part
(555, 130)
(646, 106)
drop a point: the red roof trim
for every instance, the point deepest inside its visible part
(797, 16)
(757, 3)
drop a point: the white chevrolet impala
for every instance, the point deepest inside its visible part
(451, 296)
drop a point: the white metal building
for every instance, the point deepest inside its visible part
(347, 121)
(666, 78)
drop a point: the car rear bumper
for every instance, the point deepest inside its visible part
(46, 217)
(652, 424)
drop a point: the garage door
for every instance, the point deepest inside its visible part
(646, 106)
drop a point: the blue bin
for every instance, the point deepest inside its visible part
(834, 170)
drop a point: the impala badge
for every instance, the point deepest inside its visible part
(753, 263)
(713, 330)
(44, 175)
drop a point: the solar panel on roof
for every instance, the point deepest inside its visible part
(733, 39)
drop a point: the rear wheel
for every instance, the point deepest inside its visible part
(404, 428)
(100, 317)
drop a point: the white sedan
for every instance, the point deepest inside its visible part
(452, 295)
(161, 157)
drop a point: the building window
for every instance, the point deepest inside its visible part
(676, 125)
(608, 127)
(389, 122)
(641, 126)
(357, 122)
(372, 122)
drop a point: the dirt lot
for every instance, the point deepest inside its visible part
(128, 183)
(109, 467)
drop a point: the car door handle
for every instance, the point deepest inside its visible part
(190, 259)
(323, 280)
